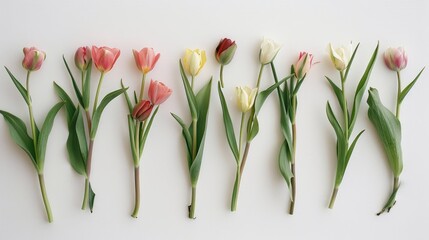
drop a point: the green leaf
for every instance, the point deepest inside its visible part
(131, 133)
(77, 150)
(298, 86)
(135, 97)
(86, 91)
(127, 98)
(352, 147)
(388, 129)
(186, 136)
(97, 114)
(44, 133)
(192, 101)
(229, 127)
(337, 91)
(147, 129)
(408, 88)
(254, 130)
(19, 86)
(70, 108)
(91, 198)
(18, 132)
(75, 86)
(361, 89)
(262, 96)
(284, 163)
(351, 61)
(194, 170)
(203, 103)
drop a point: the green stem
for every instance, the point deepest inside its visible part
(191, 208)
(293, 179)
(83, 78)
(240, 140)
(98, 92)
(344, 108)
(137, 139)
(192, 82)
(333, 197)
(194, 138)
(30, 111)
(142, 87)
(45, 197)
(259, 76)
(392, 199)
(398, 103)
(137, 191)
(86, 194)
(221, 76)
(236, 190)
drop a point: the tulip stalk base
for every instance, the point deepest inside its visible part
(45, 198)
(191, 208)
(137, 192)
(392, 199)
(333, 197)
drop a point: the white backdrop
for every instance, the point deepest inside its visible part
(170, 27)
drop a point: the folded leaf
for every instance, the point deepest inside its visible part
(76, 150)
(18, 132)
(285, 159)
(388, 129)
(70, 107)
(203, 104)
(97, 114)
(229, 127)
(19, 86)
(190, 96)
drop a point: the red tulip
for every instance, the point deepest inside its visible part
(82, 58)
(145, 59)
(142, 110)
(225, 51)
(104, 57)
(33, 58)
(158, 92)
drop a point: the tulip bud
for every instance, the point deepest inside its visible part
(145, 59)
(104, 57)
(303, 65)
(194, 61)
(245, 98)
(268, 51)
(82, 58)
(340, 57)
(33, 58)
(142, 110)
(225, 51)
(158, 92)
(395, 58)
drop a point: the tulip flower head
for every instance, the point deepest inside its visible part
(303, 65)
(82, 58)
(146, 59)
(340, 57)
(268, 51)
(104, 57)
(395, 58)
(33, 58)
(194, 61)
(245, 98)
(142, 110)
(225, 51)
(158, 92)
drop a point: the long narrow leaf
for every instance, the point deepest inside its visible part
(44, 133)
(192, 101)
(19, 86)
(229, 127)
(74, 151)
(284, 163)
(408, 88)
(97, 114)
(127, 98)
(262, 96)
(147, 129)
(18, 132)
(86, 91)
(195, 168)
(337, 91)
(203, 104)
(131, 133)
(75, 86)
(70, 108)
(352, 147)
(186, 136)
(351, 61)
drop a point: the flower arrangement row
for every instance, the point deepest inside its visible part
(83, 120)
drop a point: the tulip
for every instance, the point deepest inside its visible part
(82, 58)
(194, 61)
(303, 65)
(268, 51)
(340, 57)
(245, 98)
(395, 58)
(225, 51)
(142, 110)
(33, 58)
(158, 92)
(104, 57)
(145, 59)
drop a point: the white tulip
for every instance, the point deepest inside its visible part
(268, 51)
(245, 98)
(340, 57)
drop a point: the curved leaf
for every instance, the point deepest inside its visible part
(19, 86)
(70, 108)
(131, 133)
(86, 91)
(147, 129)
(408, 88)
(44, 133)
(18, 132)
(194, 170)
(127, 98)
(352, 147)
(75, 86)
(284, 163)
(229, 127)
(203, 104)
(192, 101)
(388, 129)
(186, 136)
(76, 154)
(97, 113)
(262, 96)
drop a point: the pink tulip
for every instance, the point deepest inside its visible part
(82, 58)
(104, 57)
(303, 65)
(33, 58)
(158, 92)
(145, 59)
(395, 58)
(142, 110)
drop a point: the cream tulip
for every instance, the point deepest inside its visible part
(268, 51)
(194, 61)
(245, 98)
(340, 57)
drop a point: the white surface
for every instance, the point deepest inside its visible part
(170, 27)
